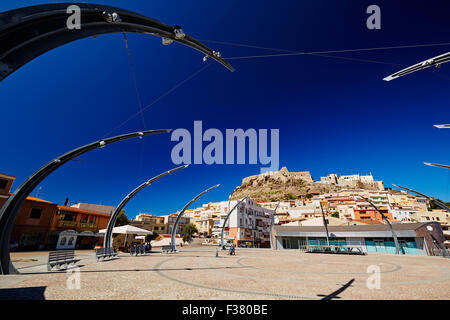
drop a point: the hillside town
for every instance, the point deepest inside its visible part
(45, 225)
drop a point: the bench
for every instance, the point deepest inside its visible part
(61, 258)
(105, 254)
(166, 249)
(335, 249)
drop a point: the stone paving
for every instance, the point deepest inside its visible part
(196, 273)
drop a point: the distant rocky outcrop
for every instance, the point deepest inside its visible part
(283, 185)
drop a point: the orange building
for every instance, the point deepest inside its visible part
(76, 228)
(371, 214)
(42, 224)
(32, 225)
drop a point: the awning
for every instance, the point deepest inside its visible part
(129, 229)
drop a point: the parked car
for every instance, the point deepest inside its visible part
(13, 245)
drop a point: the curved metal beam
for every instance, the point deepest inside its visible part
(394, 235)
(436, 61)
(175, 225)
(29, 32)
(437, 165)
(273, 222)
(226, 219)
(10, 209)
(107, 242)
(436, 201)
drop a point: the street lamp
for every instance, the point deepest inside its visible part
(107, 242)
(174, 230)
(10, 209)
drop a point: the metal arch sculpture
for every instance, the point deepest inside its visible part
(226, 220)
(26, 33)
(10, 209)
(107, 242)
(394, 235)
(435, 61)
(272, 223)
(175, 225)
(436, 201)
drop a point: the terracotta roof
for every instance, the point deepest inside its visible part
(76, 210)
(7, 175)
(38, 200)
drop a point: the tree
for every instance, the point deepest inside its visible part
(122, 219)
(187, 238)
(152, 236)
(190, 229)
(335, 215)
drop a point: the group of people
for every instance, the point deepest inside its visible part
(137, 249)
(232, 250)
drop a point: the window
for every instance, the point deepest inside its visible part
(3, 183)
(35, 213)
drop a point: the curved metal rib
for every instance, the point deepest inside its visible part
(272, 223)
(436, 201)
(394, 235)
(10, 209)
(107, 242)
(174, 230)
(28, 32)
(226, 219)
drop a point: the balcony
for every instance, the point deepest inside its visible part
(67, 224)
(86, 225)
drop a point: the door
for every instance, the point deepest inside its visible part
(379, 246)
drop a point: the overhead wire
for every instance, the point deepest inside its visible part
(162, 96)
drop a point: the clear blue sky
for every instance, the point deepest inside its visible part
(334, 115)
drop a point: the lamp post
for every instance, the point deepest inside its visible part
(107, 242)
(226, 219)
(10, 209)
(175, 225)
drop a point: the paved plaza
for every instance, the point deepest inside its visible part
(196, 273)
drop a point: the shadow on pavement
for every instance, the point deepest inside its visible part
(334, 295)
(135, 270)
(30, 293)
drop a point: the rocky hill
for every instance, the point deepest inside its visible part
(283, 185)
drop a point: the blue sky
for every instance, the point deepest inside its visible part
(334, 115)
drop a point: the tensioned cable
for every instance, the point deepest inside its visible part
(294, 53)
(318, 53)
(306, 53)
(133, 74)
(161, 97)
